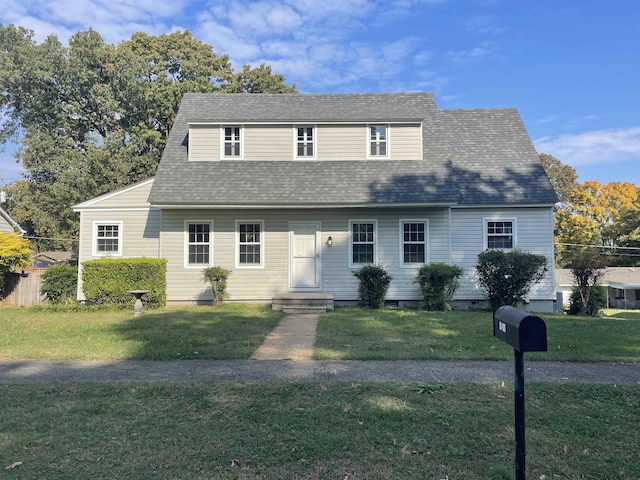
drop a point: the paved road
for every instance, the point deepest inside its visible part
(288, 370)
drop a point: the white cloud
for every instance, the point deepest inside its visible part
(478, 54)
(484, 24)
(593, 148)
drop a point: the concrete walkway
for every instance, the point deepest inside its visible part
(292, 339)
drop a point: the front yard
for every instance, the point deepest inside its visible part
(235, 331)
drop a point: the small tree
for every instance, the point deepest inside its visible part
(374, 283)
(508, 276)
(15, 252)
(217, 277)
(597, 300)
(438, 282)
(59, 283)
(587, 268)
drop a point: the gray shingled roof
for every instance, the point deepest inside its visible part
(470, 156)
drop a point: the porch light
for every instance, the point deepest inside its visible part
(329, 241)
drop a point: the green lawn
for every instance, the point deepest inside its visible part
(279, 431)
(230, 331)
(390, 334)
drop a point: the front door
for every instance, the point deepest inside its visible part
(305, 255)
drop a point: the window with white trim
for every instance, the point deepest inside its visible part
(378, 141)
(250, 243)
(500, 234)
(232, 142)
(414, 241)
(363, 241)
(108, 238)
(198, 243)
(305, 142)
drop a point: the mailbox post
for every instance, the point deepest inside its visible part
(525, 333)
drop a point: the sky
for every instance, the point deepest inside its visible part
(570, 67)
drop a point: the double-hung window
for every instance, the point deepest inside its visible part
(198, 243)
(305, 142)
(378, 141)
(232, 142)
(363, 242)
(414, 241)
(500, 233)
(108, 238)
(250, 243)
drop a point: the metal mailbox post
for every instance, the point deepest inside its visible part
(525, 333)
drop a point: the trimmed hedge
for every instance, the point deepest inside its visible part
(106, 281)
(59, 283)
(373, 286)
(438, 282)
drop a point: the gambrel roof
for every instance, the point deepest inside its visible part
(470, 157)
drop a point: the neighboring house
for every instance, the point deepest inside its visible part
(46, 259)
(295, 192)
(9, 225)
(622, 283)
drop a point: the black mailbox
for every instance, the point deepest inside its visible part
(523, 331)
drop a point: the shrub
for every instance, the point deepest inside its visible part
(59, 283)
(374, 283)
(597, 300)
(217, 277)
(107, 281)
(438, 282)
(507, 277)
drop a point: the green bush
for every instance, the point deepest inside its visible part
(374, 283)
(107, 281)
(438, 282)
(597, 300)
(217, 277)
(508, 276)
(59, 283)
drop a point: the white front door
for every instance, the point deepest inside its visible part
(305, 255)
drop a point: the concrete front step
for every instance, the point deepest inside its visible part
(303, 309)
(303, 302)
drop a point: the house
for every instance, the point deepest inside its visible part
(8, 224)
(622, 284)
(294, 192)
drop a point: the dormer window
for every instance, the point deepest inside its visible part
(305, 141)
(378, 141)
(232, 142)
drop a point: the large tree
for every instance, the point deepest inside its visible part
(91, 117)
(564, 178)
(599, 215)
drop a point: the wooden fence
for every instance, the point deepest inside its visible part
(24, 290)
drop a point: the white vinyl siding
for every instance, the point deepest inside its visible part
(204, 143)
(468, 239)
(268, 142)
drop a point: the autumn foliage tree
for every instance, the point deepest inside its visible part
(91, 117)
(15, 252)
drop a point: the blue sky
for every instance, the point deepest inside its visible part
(571, 67)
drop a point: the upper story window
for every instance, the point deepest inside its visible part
(108, 238)
(363, 241)
(414, 242)
(500, 234)
(305, 142)
(250, 243)
(198, 243)
(232, 142)
(378, 141)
